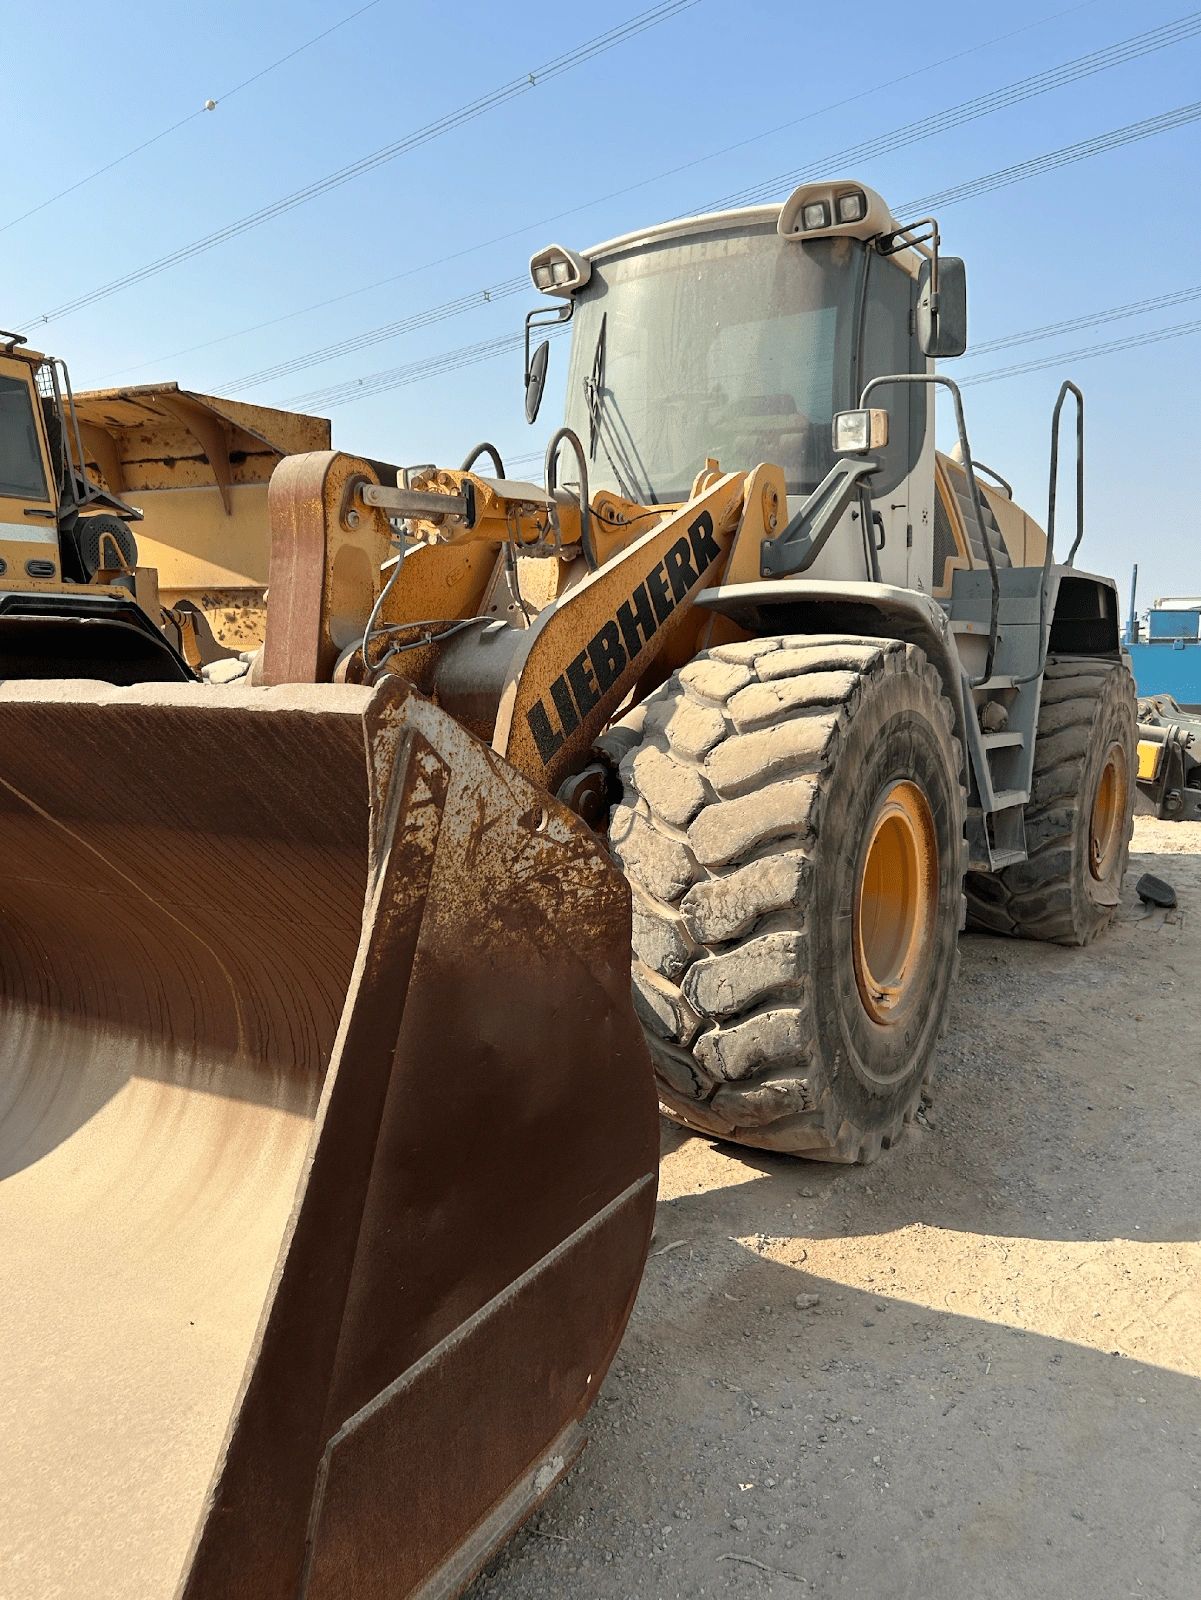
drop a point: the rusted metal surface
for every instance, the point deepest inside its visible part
(326, 557)
(393, 1167)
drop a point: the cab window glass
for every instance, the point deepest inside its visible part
(888, 347)
(21, 473)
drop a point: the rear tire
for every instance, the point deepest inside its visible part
(1081, 812)
(777, 793)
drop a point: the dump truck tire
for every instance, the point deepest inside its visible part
(1080, 816)
(772, 790)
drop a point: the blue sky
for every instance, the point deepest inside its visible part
(462, 212)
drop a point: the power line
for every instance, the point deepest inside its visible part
(415, 372)
(516, 87)
(1135, 131)
(1094, 319)
(1178, 331)
(227, 94)
(1087, 66)
(390, 330)
(615, 194)
(340, 394)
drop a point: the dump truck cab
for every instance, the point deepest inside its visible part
(73, 602)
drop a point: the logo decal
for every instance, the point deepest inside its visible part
(623, 638)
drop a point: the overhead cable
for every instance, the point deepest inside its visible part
(390, 330)
(339, 394)
(983, 105)
(380, 382)
(226, 94)
(516, 87)
(559, 216)
(1146, 129)
(1052, 330)
(1177, 331)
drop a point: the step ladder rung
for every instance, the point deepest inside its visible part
(1006, 799)
(1003, 741)
(1007, 858)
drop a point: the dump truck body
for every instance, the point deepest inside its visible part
(197, 467)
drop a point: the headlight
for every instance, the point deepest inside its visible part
(542, 277)
(560, 271)
(856, 431)
(815, 215)
(852, 207)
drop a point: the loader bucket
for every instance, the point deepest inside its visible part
(327, 1142)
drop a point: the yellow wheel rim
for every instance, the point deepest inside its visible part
(1107, 823)
(896, 898)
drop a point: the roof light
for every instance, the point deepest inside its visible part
(559, 271)
(838, 208)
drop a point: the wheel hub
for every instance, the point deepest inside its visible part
(1106, 824)
(896, 897)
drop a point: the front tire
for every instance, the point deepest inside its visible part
(792, 827)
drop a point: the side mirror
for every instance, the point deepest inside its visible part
(941, 324)
(535, 381)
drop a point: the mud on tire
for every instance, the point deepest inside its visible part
(1081, 811)
(752, 782)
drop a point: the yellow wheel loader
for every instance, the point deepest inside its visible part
(329, 1105)
(829, 695)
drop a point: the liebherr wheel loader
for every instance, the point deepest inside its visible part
(831, 693)
(755, 664)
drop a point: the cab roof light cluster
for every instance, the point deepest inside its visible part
(559, 271)
(833, 210)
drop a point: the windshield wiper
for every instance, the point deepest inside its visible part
(594, 398)
(593, 390)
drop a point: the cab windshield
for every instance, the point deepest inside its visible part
(734, 345)
(21, 473)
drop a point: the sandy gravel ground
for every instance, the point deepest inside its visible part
(995, 1393)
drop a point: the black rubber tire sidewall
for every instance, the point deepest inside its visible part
(877, 1070)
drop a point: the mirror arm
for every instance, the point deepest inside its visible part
(799, 545)
(548, 319)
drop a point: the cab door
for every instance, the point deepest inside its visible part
(889, 346)
(28, 507)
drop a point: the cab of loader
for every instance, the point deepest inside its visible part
(741, 335)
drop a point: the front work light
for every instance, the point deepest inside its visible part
(559, 271)
(857, 431)
(852, 207)
(815, 215)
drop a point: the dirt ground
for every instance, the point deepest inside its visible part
(995, 1393)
